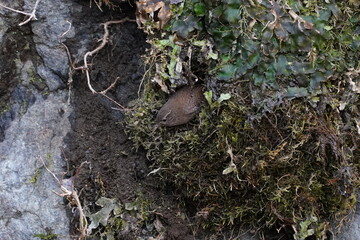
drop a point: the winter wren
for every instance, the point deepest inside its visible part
(181, 107)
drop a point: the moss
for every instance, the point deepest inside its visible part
(272, 143)
(5, 108)
(34, 78)
(46, 236)
(35, 177)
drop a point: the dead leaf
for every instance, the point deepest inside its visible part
(299, 20)
(146, 10)
(159, 79)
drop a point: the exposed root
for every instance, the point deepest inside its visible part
(68, 191)
(31, 15)
(104, 41)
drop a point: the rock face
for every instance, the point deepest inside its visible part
(28, 206)
(34, 120)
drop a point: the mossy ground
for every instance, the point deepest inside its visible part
(283, 148)
(291, 165)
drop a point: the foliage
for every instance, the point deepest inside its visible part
(113, 218)
(276, 140)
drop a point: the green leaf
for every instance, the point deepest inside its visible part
(183, 27)
(270, 75)
(208, 96)
(250, 45)
(227, 72)
(328, 28)
(297, 92)
(231, 14)
(258, 79)
(281, 66)
(101, 217)
(302, 68)
(316, 79)
(253, 60)
(200, 9)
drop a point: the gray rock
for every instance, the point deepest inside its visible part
(28, 205)
(53, 81)
(3, 28)
(49, 33)
(35, 127)
(351, 230)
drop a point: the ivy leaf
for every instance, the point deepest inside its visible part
(183, 27)
(258, 79)
(227, 72)
(281, 66)
(297, 92)
(231, 14)
(101, 217)
(200, 9)
(253, 59)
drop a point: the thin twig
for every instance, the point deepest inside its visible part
(143, 78)
(104, 41)
(14, 10)
(50, 171)
(31, 15)
(71, 71)
(110, 87)
(97, 4)
(69, 192)
(115, 102)
(67, 31)
(82, 218)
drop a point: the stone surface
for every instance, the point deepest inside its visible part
(34, 121)
(28, 205)
(351, 229)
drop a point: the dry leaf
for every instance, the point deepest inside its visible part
(146, 10)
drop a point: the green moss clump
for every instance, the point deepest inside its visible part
(282, 149)
(287, 166)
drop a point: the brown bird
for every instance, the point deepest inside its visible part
(181, 107)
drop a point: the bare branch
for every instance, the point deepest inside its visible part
(14, 10)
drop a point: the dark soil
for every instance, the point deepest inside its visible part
(113, 168)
